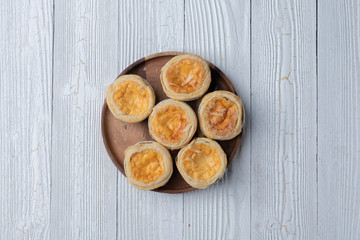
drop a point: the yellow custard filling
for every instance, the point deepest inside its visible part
(147, 166)
(185, 76)
(223, 115)
(131, 98)
(170, 123)
(201, 162)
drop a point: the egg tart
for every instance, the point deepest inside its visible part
(221, 115)
(172, 123)
(202, 162)
(148, 165)
(185, 77)
(130, 98)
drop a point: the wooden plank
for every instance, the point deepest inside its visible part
(83, 199)
(220, 32)
(25, 118)
(283, 120)
(147, 27)
(339, 119)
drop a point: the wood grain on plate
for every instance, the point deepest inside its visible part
(118, 135)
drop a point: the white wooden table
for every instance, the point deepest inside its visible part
(295, 64)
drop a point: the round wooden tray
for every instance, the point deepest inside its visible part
(118, 136)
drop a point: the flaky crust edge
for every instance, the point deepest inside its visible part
(188, 134)
(168, 164)
(196, 183)
(205, 128)
(186, 96)
(112, 105)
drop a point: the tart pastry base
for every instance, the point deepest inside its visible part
(221, 115)
(202, 162)
(185, 77)
(172, 123)
(148, 165)
(130, 98)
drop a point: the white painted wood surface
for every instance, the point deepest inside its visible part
(283, 120)
(339, 120)
(26, 35)
(83, 181)
(295, 64)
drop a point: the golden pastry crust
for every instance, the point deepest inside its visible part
(185, 77)
(201, 163)
(130, 98)
(221, 115)
(148, 165)
(172, 123)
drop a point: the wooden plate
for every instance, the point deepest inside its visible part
(118, 135)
